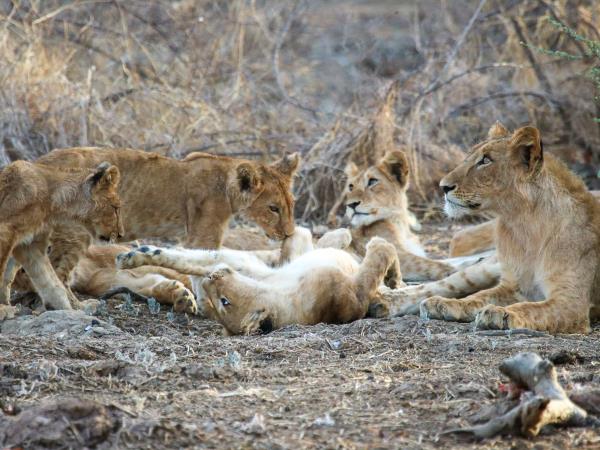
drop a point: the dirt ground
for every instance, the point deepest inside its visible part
(165, 381)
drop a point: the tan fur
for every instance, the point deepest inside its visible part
(474, 239)
(376, 205)
(479, 238)
(548, 238)
(406, 300)
(33, 198)
(262, 298)
(96, 274)
(193, 198)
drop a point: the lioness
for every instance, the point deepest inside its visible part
(547, 237)
(193, 198)
(376, 205)
(247, 295)
(34, 198)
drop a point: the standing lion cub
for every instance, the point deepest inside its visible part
(34, 198)
(547, 236)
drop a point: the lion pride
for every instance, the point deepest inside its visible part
(193, 198)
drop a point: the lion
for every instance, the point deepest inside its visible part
(480, 238)
(376, 205)
(35, 197)
(97, 275)
(191, 199)
(547, 237)
(247, 295)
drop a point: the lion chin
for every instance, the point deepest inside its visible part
(455, 211)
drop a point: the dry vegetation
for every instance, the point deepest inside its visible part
(257, 78)
(335, 80)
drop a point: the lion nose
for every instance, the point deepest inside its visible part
(447, 188)
(353, 205)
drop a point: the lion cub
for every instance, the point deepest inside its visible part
(35, 197)
(547, 237)
(246, 295)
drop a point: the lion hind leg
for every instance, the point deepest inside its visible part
(419, 268)
(380, 261)
(464, 282)
(165, 291)
(474, 239)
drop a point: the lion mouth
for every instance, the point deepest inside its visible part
(469, 205)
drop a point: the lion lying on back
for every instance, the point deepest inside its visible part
(247, 295)
(547, 237)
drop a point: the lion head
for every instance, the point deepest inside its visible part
(101, 203)
(234, 303)
(501, 166)
(265, 193)
(378, 192)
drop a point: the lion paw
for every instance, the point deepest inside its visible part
(377, 242)
(497, 318)
(141, 256)
(443, 309)
(180, 297)
(340, 238)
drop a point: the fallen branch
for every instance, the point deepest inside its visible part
(545, 402)
(514, 332)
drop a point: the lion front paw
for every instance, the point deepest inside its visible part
(444, 309)
(141, 256)
(176, 294)
(340, 238)
(497, 318)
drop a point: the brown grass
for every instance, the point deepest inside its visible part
(258, 79)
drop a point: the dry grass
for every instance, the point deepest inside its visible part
(261, 78)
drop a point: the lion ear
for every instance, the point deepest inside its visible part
(395, 164)
(247, 177)
(104, 177)
(498, 131)
(526, 145)
(288, 164)
(351, 170)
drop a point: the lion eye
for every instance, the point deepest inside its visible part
(372, 182)
(274, 208)
(484, 161)
(350, 187)
(225, 301)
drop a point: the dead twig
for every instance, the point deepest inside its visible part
(545, 402)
